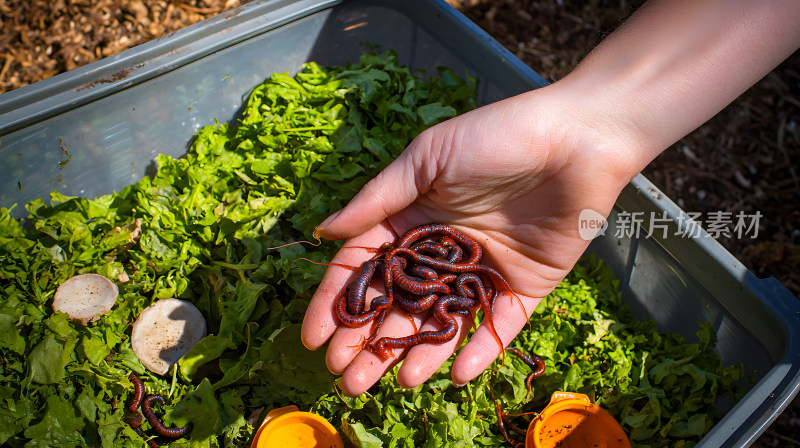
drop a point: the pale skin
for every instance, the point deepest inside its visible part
(515, 174)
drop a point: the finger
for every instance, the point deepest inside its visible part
(510, 316)
(347, 342)
(367, 368)
(392, 190)
(422, 361)
(320, 320)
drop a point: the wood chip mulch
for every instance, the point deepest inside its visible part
(746, 159)
(41, 38)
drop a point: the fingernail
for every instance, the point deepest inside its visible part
(459, 384)
(318, 230)
(328, 220)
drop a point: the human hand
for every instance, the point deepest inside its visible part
(514, 176)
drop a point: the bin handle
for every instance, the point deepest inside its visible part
(782, 297)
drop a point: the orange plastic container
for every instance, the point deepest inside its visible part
(571, 420)
(288, 427)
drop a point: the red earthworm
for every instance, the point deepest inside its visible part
(465, 313)
(413, 235)
(319, 242)
(450, 304)
(384, 346)
(388, 283)
(501, 421)
(415, 306)
(134, 419)
(397, 266)
(390, 294)
(503, 284)
(444, 249)
(413, 322)
(485, 303)
(351, 268)
(138, 392)
(424, 272)
(147, 409)
(378, 305)
(412, 284)
(430, 248)
(298, 242)
(371, 250)
(435, 263)
(422, 303)
(382, 303)
(421, 232)
(474, 268)
(535, 362)
(503, 418)
(457, 268)
(410, 306)
(453, 253)
(357, 290)
(496, 277)
(462, 288)
(159, 427)
(376, 325)
(132, 415)
(447, 277)
(362, 342)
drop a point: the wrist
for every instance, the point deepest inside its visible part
(671, 67)
(617, 127)
(590, 133)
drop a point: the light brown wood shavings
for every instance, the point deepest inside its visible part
(39, 38)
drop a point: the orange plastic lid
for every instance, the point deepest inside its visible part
(288, 427)
(572, 421)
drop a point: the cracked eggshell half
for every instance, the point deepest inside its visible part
(85, 297)
(165, 331)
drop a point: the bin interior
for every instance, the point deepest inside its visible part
(96, 129)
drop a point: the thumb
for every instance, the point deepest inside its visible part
(392, 190)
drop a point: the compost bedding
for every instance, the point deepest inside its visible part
(746, 159)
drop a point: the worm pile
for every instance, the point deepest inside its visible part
(432, 267)
(134, 418)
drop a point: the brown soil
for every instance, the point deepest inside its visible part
(744, 160)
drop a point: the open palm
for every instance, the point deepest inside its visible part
(514, 176)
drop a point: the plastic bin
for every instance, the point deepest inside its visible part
(113, 116)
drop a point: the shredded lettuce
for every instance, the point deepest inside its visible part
(304, 145)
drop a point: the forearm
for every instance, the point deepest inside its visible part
(676, 63)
